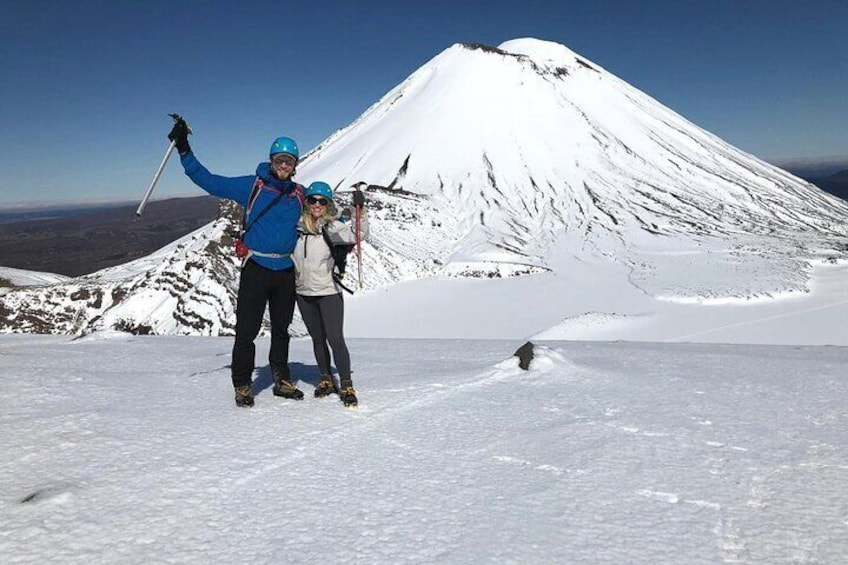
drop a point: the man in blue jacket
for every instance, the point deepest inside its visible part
(273, 204)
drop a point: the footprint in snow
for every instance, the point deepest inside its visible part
(523, 462)
(57, 493)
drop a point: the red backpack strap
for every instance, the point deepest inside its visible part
(298, 191)
(254, 194)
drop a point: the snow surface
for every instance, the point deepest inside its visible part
(598, 301)
(129, 449)
(23, 277)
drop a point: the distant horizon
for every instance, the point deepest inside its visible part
(826, 165)
(24, 207)
(808, 166)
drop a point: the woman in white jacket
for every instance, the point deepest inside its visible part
(319, 293)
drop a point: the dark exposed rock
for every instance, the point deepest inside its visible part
(486, 48)
(81, 294)
(525, 355)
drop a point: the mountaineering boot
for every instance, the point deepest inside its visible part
(285, 389)
(283, 386)
(244, 396)
(326, 387)
(348, 394)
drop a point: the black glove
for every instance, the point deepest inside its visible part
(179, 134)
(358, 198)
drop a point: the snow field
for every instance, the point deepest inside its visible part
(130, 450)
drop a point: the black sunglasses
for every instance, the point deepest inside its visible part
(316, 200)
(284, 159)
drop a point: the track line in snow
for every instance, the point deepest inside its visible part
(368, 420)
(755, 321)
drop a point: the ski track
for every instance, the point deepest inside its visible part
(606, 456)
(689, 337)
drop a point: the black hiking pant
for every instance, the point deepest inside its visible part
(324, 319)
(259, 286)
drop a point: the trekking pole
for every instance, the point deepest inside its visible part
(158, 171)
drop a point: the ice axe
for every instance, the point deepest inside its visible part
(358, 203)
(160, 169)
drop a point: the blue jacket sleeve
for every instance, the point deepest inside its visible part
(233, 188)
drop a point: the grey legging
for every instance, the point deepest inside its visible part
(324, 318)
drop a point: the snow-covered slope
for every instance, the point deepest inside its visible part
(22, 277)
(525, 159)
(187, 287)
(125, 449)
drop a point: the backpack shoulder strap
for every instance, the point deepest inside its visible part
(338, 251)
(254, 194)
(339, 254)
(326, 235)
(262, 213)
(298, 192)
(257, 188)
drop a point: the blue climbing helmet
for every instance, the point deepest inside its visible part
(284, 145)
(319, 188)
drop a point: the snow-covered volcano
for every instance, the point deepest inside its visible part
(527, 159)
(529, 145)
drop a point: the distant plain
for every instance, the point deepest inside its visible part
(82, 240)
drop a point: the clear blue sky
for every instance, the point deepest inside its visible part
(86, 85)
